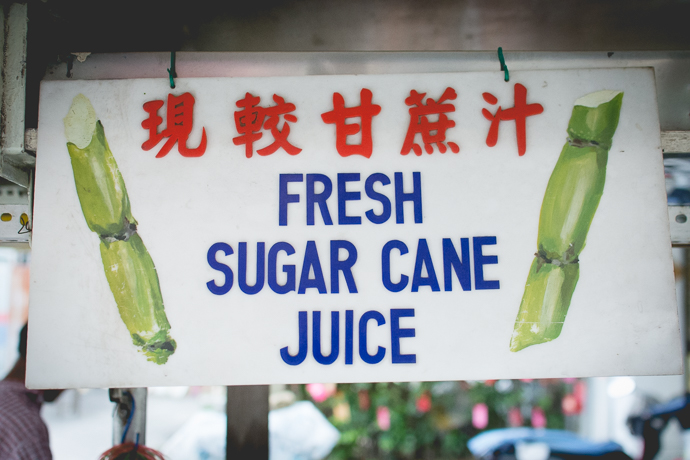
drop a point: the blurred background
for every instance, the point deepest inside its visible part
(383, 420)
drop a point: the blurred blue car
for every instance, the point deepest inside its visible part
(505, 443)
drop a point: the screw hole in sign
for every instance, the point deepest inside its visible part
(681, 218)
(6, 217)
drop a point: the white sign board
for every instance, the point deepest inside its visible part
(350, 229)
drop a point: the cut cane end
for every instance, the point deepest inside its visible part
(160, 353)
(528, 333)
(80, 122)
(597, 98)
(518, 345)
(158, 349)
(522, 338)
(594, 119)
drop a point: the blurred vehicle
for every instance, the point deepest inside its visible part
(540, 444)
(651, 423)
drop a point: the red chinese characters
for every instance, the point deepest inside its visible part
(429, 123)
(179, 123)
(433, 132)
(251, 119)
(366, 111)
(519, 113)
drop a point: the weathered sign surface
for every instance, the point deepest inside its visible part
(350, 228)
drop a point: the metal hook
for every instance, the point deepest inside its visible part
(504, 67)
(171, 71)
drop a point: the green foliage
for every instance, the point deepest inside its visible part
(430, 420)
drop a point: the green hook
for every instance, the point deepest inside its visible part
(171, 71)
(504, 67)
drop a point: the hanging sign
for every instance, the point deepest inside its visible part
(350, 229)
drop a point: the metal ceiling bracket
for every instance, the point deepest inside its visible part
(15, 214)
(679, 220)
(15, 162)
(675, 141)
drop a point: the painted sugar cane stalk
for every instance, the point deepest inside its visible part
(104, 201)
(570, 202)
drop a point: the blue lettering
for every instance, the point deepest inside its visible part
(318, 198)
(344, 266)
(335, 338)
(480, 260)
(285, 197)
(386, 266)
(344, 196)
(224, 269)
(311, 260)
(363, 352)
(294, 360)
(422, 261)
(451, 261)
(259, 284)
(397, 333)
(349, 333)
(287, 269)
(415, 197)
(374, 195)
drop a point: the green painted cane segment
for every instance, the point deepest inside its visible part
(595, 117)
(101, 189)
(570, 202)
(545, 303)
(134, 283)
(129, 269)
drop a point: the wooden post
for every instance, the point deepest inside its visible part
(247, 411)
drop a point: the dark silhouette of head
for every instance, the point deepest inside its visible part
(22, 341)
(19, 370)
